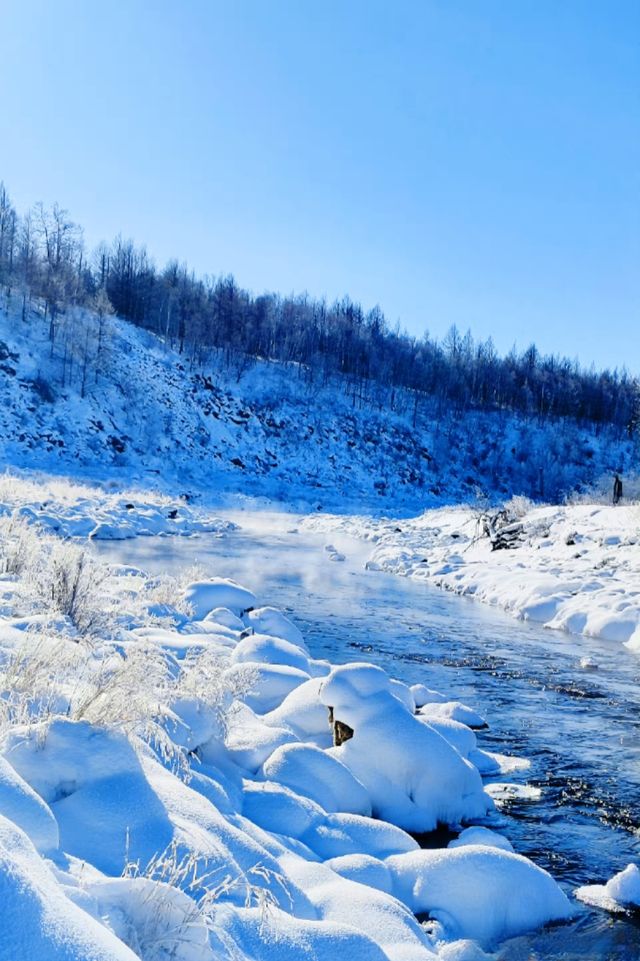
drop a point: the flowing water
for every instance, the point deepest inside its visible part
(579, 728)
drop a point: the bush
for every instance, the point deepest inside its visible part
(68, 581)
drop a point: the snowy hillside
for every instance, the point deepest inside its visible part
(261, 428)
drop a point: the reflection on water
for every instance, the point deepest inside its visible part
(578, 728)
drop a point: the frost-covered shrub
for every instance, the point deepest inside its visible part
(19, 546)
(518, 506)
(68, 582)
(34, 677)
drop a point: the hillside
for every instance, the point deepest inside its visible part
(132, 408)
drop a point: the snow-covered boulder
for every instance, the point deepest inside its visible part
(270, 683)
(340, 834)
(365, 869)
(206, 596)
(249, 740)
(278, 809)
(425, 695)
(265, 649)
(478, 892)
(315, 774)
(224, 618)
(454, 711)
(269, 620)
(415, 778)
(482, 836)
(303, 712)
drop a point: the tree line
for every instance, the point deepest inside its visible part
(43, 258)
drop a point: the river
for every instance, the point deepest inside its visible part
(579, 728)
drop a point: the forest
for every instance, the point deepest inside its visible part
(43, 260)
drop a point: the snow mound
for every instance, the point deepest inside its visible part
(415, 778)
(206, 596)
(340, 834)
(155, 919)
(303, 713)
(620, 893)
(270, 683)
(481, 836)
(365, 869)
(241, 933)
(315, 774)
(454, 711)
(43, 924)
(20, 804)
(249, 740)
(424, 695)
(93, 781)
(269, 620)
(265, 649)
(224, 618)
(478, 892)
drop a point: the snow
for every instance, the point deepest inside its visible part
(621, 892)
(270, 430)
(575, 568)
(205, 596)
(316, 774)
(478, 892)
(269, 620)
(415, 778)
(20, 804)
(44, 924)
(171, 788)
(453, 711)
(265, 649)
(483, 836)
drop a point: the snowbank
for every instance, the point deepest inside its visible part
(574, 568)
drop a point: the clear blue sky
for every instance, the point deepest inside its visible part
(457, 161)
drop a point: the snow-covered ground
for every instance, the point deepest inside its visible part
(574, 568)
(180, 778)
(74, 509)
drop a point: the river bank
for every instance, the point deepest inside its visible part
(574, 568)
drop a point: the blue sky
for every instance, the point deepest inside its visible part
(474, 162)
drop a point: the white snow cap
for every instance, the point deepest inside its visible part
(206, 596)
(317, 775)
